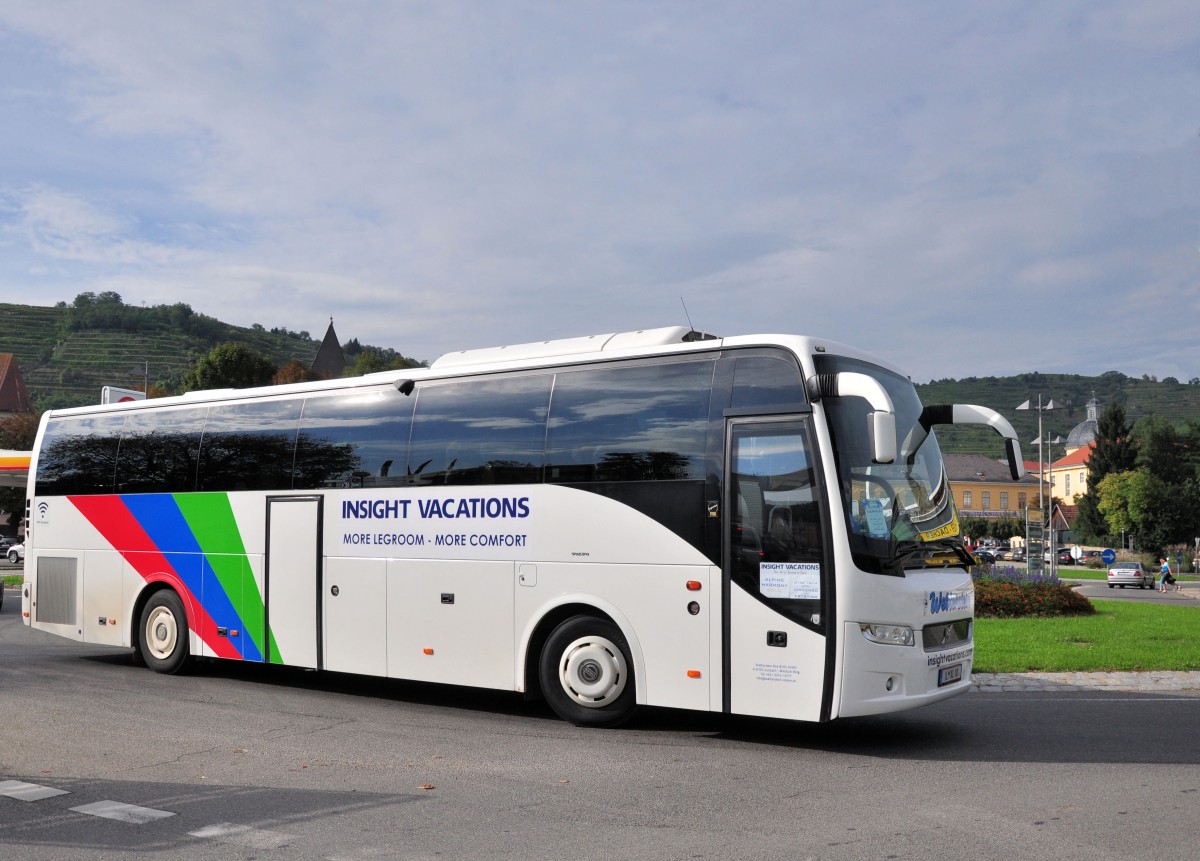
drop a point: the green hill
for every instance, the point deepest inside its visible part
(1177, 403)
(69, 352)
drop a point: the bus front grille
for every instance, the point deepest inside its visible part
(938, 637)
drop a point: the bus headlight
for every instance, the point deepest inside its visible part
(889, 635)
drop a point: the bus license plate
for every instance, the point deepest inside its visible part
(949, 675)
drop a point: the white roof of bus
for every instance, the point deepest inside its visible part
(513, 357)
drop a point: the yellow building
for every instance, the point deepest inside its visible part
(982, 487)
(1068, 475)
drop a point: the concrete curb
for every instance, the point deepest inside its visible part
(1162, 682)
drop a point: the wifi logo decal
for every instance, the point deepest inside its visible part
(43, 511)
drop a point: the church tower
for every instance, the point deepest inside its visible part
(330, 360)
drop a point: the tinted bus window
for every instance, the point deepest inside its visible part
(159, 451)
(249, 446)
(762, 381)
(775, 532)
(629, 423)
(79, 455)
(353, 440)
(485, 431)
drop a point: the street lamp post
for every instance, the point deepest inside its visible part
(144, 373)
(1040, 407)
(1049, 405)
(1049, 445)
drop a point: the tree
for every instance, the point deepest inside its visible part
(973, 527)
(1161, 450)
(1113, 451)
(229, 366)
(1170, 514)
(17, 432)
(1113, 501)
(1156, 513)
(1007, 527)
(369, 360)
(294, 371)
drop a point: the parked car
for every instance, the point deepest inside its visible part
(6, 541)
(984, 557)
(1129, 574)
(16, 553)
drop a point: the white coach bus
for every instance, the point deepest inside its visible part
(757, 525)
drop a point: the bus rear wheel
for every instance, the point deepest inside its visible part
(586, 673)
(163, 637)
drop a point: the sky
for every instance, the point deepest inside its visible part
(964, 188)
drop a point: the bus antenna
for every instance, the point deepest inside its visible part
(686, 314)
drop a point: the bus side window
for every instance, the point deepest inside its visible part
(482, 431)
(358, 439)
(630, 423)
(775, 544)
(160, 450)
(249, 446)
(760, 381)
(79, 456)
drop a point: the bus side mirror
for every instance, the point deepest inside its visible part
(881, 421)
(881, 429)
(970, 414)
(1016, 466)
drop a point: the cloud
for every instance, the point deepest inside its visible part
(965, 190)
(63, 227)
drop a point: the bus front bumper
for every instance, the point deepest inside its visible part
(878, 678)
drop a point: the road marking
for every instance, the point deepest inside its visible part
(242, 835)
(122, 812)
(22, 791)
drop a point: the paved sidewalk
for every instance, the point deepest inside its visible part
(1159, 682)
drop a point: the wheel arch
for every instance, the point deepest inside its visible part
(542, 623)
(152, 588)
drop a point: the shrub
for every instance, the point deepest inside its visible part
(1008, 593)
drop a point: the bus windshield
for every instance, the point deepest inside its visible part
(899, 515)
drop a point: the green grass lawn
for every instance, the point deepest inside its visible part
(1120, 636)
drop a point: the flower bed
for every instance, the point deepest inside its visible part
(1007, 593)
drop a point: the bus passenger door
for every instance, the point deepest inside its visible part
(777, 572)
(293, 580)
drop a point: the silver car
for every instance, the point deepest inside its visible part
(16, 553)
(1129, 574)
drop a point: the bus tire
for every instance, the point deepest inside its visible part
(586, 673)
(163, 633)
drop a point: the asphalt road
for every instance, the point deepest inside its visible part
(253, 762)
(1187, 596)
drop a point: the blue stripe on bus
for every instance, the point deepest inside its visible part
(164, 523)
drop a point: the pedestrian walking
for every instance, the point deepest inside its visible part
(1167, 578)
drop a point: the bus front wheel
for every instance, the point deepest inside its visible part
(164, 633)
(586, 673)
